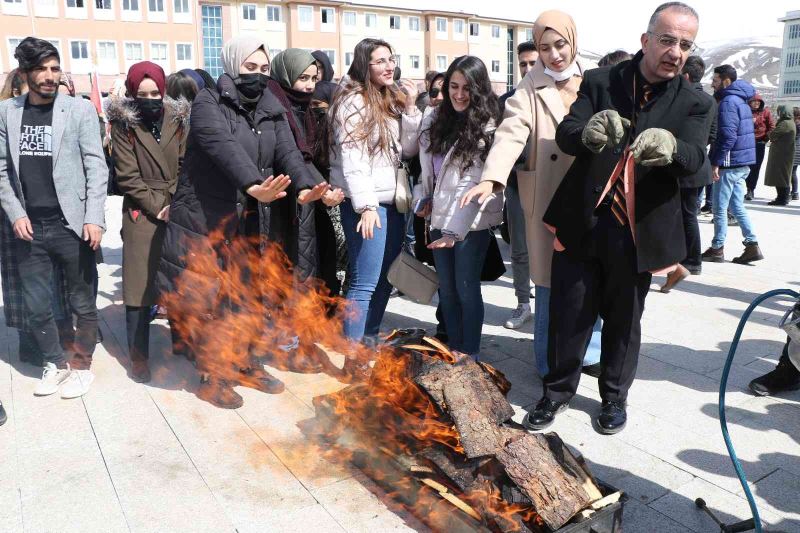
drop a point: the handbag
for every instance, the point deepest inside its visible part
(403, 197)
(413, 278)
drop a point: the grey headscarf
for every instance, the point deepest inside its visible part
(235, 51)
(288, 65)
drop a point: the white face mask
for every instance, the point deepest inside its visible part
(567, 73)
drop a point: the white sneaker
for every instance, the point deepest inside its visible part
(77, 385)
(52, 378)
(519, 316)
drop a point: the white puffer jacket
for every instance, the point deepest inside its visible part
(368, 181)
(451, 185)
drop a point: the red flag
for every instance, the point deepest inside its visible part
(95, 94)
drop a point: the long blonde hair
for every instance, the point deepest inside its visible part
(381, 105)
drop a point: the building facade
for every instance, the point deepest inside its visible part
(789, 89)
(110, 35)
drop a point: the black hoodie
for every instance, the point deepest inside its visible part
(326, 88)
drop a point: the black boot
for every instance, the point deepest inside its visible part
(544, 414)
(613, 418)
(785, 377)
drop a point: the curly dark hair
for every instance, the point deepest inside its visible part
(466, 131)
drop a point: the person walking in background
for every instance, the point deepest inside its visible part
(233, 182)
(515, 214)
(454, 142)
(424, 98)
(184, 84)
(374, 126)
(530, 121)
(781, 156)
(763, 124)
(56, 207)
(148, 138)
(693, 71)
(731, 156)
(325, 88)
(614, 58)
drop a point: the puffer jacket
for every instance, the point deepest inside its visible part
(763, 121)
(368, 181)
(446, 190)
(227, 152)
(736, 143)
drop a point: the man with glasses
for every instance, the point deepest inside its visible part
(636, 130)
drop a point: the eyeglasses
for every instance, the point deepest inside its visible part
(383, 62)
(668, 41)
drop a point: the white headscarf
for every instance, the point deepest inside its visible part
(236, 50)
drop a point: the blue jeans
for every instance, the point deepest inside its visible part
(729, 192)
(541, 323)
(519, 246)
(459, 269)
(370, 260)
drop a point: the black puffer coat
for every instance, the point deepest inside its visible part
(227, 152)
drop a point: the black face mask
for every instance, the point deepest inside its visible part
(150, 109)
(252, 85)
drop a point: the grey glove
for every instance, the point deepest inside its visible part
(606, 128)
(654, 147)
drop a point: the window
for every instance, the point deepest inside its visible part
(399, 61)
(331, 56)
(792, 59)
(413, 23)
(133, 52)
(458, 27)
(529, 34)
(12, 45)
(349, 18)
(414, 62)
(212, 39)
(45, 8)
(495, 31)
(183, 52)
(155, 5)
(181, 7)
(370, 20)
(130, 10)
(130, 5)
(441, 25)
(107, 57)
(156, 11)
(394, 22)
(273, 13)
(441, 63)
(103, 4)
(158, 52)
(305, 18)
(348, 59)
(249, 12)
(791, 87)
(75, 4)
(495, 66)
(474, 29)
(328, 15)
(79, 50)
(794, 31)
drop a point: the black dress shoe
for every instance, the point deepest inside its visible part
(544, 414)
(785, 377)
(613, 418)
(3, 415)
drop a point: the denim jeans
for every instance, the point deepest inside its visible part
(541, 323)
(459, 269)
(52, 243)
(729, 194)
(370, 260)
(519, 246)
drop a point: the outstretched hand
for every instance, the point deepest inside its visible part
(273, 188)
(481, 191)
(312, 195)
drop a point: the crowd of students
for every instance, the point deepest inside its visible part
(275, 151)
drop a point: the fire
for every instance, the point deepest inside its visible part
(266, 307)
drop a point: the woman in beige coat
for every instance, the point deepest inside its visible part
(529, 123)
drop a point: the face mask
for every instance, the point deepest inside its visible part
(252, 85)
(150, 108)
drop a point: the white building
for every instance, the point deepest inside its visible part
(789, 90)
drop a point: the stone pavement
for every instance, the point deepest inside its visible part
(130, 457)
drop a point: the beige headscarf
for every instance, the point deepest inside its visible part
(236, 50)
(559, 22)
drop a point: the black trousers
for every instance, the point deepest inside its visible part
(54, 242)
(137, 325)
(691, 228)
(755, 170)
(601, 279)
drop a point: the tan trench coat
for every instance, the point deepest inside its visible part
(147, 174)
(531, 118)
